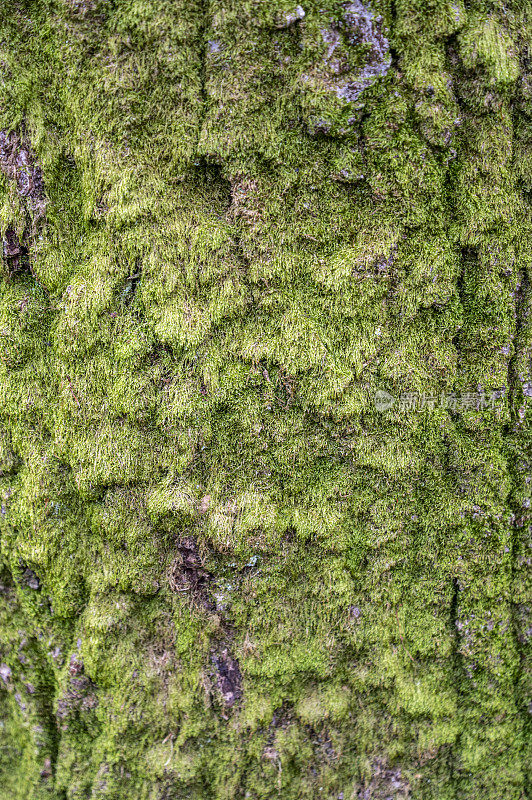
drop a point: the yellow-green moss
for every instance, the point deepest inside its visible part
(246, 235)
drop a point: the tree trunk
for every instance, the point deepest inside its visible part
(265, 381)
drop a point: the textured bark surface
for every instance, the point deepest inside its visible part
(224, 572)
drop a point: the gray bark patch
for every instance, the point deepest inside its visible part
(18, 163)
(358, 32)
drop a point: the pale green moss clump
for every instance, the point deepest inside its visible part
(224, 572)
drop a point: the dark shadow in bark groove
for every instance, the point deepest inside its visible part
(188, 575)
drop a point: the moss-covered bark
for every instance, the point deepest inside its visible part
(225, 573)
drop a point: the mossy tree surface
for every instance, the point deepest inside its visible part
(224, 572)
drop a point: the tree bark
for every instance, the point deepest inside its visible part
(265, 381)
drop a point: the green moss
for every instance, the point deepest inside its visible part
(247, 233)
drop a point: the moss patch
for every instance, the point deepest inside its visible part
(225, 572)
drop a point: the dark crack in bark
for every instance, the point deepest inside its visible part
(228, 675)
(188, 575)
